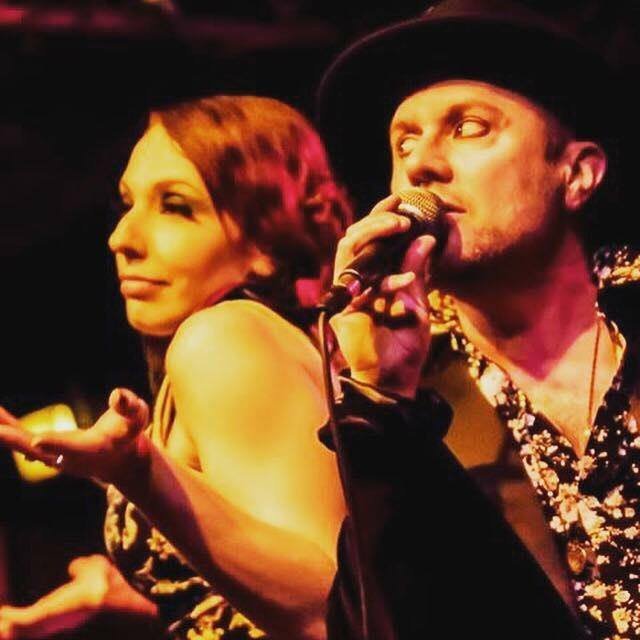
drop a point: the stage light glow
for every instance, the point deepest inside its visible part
(55, 417)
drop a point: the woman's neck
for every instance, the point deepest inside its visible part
(155, 350)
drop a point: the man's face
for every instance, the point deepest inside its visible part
(483, 150)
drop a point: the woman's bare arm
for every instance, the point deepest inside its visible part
(260, 519)
(264, 513)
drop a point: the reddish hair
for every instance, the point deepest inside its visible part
(265, 165)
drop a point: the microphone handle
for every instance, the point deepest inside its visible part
(375, 260)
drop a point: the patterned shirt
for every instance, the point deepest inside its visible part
(590, 502)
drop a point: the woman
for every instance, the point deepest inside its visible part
(229, 220)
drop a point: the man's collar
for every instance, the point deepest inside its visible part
(615, 266)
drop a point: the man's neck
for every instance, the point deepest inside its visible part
(531, 320)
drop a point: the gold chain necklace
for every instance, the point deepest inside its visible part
(594, 366)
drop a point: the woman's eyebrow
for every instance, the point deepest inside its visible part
(168, 183)
(165, 184)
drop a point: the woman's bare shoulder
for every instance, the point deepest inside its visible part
(236, 328)
(237, 365)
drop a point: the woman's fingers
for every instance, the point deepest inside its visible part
(126, 417)
(97, 452)
(66, 443)
(65, 608)
(19, 440)
(15, 437)
(129, 406)
(95, 566)
(8, 418)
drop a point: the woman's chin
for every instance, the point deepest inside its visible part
(152, 326)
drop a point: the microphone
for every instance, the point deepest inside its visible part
(378, 258)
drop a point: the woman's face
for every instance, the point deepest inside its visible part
(174, 252)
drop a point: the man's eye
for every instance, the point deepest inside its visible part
(405, 145)
(471, 128)
(176, 204)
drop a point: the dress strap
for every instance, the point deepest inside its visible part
(164, 413)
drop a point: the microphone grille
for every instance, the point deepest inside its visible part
(423, 204)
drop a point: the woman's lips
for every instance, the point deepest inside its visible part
(136, 287)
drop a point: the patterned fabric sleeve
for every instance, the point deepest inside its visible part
(189, 606)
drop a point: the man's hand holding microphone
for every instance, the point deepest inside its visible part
(383, 330)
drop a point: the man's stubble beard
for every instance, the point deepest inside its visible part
(496, 258)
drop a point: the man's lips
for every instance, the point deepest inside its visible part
(448, 207)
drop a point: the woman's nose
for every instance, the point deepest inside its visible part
(128, 237)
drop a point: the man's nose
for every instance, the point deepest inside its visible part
(428, 163)
(128, 236)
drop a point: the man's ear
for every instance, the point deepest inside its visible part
(586, 165)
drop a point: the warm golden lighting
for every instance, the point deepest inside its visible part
(55, 417)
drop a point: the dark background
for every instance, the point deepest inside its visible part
(76, 77)
(73, 95)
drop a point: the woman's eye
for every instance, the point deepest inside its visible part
(471, 128)
(175, 204)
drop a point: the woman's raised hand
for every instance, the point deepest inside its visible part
(95, 587)
(105, 451)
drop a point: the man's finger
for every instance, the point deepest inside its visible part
(415, 301)
(360, 302)
(386, 204)
(396, 281)
(397, 309)
(418, 255)
(363, 233)
(384, 225)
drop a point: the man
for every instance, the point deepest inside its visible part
(541, 381)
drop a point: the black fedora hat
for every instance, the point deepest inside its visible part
(501, 42)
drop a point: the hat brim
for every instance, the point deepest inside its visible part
(361, 90)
